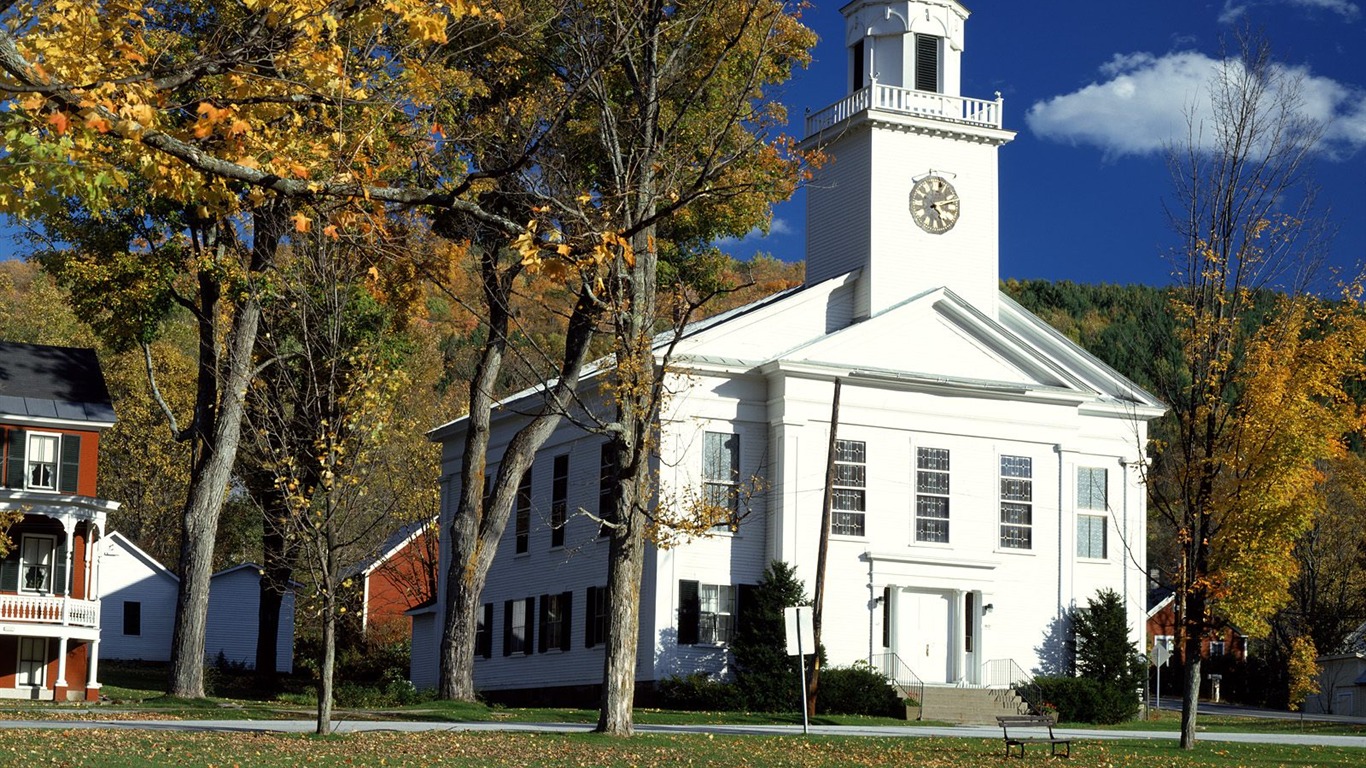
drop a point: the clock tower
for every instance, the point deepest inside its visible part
(908, 192)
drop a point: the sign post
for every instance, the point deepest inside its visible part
(799, 632)
(1159, 658)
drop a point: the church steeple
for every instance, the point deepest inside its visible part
(909, 193)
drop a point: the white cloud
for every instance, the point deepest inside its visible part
(1234, 10)
(1140, 106)
(777, 227)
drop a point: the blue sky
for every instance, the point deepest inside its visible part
(1094, 89)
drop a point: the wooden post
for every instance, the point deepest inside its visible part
(813, 680)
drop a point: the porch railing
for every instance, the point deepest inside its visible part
(49, 610)
(890, 98)
(901, 676)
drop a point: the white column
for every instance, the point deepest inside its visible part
(69, 526)
(959, 633)
(61, 662)
(94, 665)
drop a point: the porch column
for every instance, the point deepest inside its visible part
(960, 637)
(69, 526)
(59, 689)
(92, 686)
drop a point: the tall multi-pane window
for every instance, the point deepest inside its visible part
(1091, 497)
(932, 495)
(1017, 502)
(607, 486)
(559, 500)
(721, 471)
(523, 521)
(849, 494)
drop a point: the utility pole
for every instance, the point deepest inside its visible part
(813, 680)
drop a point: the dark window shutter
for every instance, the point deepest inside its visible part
(886, 617)
(14, 470)
(689, 612)
(9, 572)
(858, 54)
(566, 616)
(545, 622)
(530, 625)
(59, 567)
(68, 476)
(488, 631)
(927, 63)
(744, 600)
(590, 637)
(507, 627)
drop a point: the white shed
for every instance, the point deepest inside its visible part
(137, 608)
(234, 602)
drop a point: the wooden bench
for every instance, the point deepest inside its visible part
(1031, 721)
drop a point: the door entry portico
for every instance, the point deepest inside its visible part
(937, 633)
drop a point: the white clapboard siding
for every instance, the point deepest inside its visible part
(127, 574)
(234, 604)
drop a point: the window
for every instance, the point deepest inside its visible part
(932, 495)
(721, 473)
(848, 495)
(555, 622)
(483, 634)
(559, 500)
(524, 512)
(927, 63)
(1017, 507)
(595, 628)
(706, 613)
(1216, 648)
(607, 486)
(36, 563)
(132, 617)
(1092, 530)
(44, 461)
(32, 662)
(886, 617)
(518, 631)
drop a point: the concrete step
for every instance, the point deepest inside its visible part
(976, 706)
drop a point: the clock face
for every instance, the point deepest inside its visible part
(934, 205)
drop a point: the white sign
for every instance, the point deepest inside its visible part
(1160, 653)
(800, 634)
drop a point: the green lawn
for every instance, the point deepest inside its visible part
(146, 748)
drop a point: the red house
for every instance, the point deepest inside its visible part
(401, 575)
(54, 405)
(1223, 640)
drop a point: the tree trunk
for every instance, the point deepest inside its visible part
(200, 524)
(1190, 694)
(625, 565)
(476, 528)
(219, 409)
(274, 583)
(328, 667)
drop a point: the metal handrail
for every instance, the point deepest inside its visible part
(901, 676)
(1005, 673)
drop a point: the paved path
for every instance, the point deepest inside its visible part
(896, 731)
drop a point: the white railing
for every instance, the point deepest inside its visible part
(890, 98)
(49, 610)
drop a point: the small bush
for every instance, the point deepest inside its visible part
(857, 690)
(697, 692)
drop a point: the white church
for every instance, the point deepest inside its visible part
(988, 469)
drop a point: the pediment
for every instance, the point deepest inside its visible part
(939, 336)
